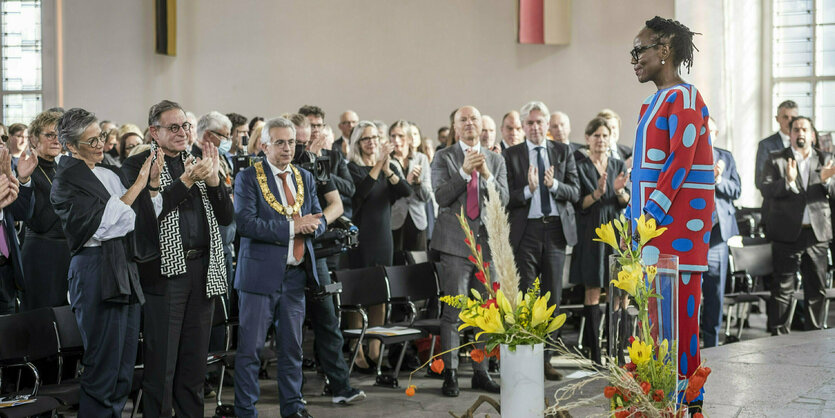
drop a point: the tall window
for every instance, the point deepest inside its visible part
(803, 58)
(21, 54)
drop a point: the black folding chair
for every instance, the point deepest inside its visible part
(69, 338)
(416, 257)
(362, 288)
(28, 337)
(412, 284)
(224, 358)
(829, 295)
(750, 260)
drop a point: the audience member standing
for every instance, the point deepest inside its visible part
(603, 195)
(797, 183)
(45, 284)
(347, 121)
(512, 132)
(18, 141)
(94, 204)
(542, 179)
(278, 215)
(778, 141)
(460, 174)
(409, 214)
(488, 134)
(182, 283)
(616, 150)
(728, 189)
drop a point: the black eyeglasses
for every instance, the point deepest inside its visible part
(176, 128)
(366, 138)
(96, 141)
(638, 50)
(220, 135)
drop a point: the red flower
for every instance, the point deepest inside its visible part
(486, 265)
(467, 241)
(621, 413)
(477, 355)
(695, 383)
(609, 391)
(645, 386)
(698, 415)
(437, 366)
(495, 286)
(473, 260)
(480, 276)
(630, 367)
(478, 248)
(631, 339)
(490, 302)
(658, 395)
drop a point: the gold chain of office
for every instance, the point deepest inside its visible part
(285, 210)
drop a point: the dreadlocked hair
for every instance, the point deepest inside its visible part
(680, 38)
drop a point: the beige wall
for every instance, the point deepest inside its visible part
(414, 59)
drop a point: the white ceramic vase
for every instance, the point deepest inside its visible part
(523, 381)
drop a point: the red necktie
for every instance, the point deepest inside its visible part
(472, 196)
(298, 242)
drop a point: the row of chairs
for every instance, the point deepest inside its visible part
(32, 337)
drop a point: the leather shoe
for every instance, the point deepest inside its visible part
(450, 387)
(482, 380)
(551, 373)
(301, 413)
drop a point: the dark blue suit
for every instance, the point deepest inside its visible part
(724, 227)
(11, 273)
(270, 291)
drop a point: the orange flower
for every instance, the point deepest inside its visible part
(695, 383)
(477, 355)
(698, 415)
(437, 366)
(410, 391)
(645, 386)
(495, 353)
(609, 391)
(658, 395)
(621, 413)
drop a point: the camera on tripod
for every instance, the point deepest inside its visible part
(242, 159)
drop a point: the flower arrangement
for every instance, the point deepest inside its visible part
(501, 312)
(648, 384)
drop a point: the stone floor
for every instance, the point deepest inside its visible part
(762, 376)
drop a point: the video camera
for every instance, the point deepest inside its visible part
(340, 236)
(319, 166)
(242, 160)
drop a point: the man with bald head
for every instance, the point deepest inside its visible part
(488, 134)
(460, 173)
(560, 129)
(512, 132)
(347, 121)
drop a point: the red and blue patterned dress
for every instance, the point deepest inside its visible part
(672, 181)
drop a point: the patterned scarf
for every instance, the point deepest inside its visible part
(173, 258)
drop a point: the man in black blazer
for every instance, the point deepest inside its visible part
(543, 186)
(776, 142)
(728, 189)
(797, 185)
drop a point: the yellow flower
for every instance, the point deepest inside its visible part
(647, 230)
(639, 352)
(651, 272)
(606, 235)
(490, 322)
(662, 349)
(541, 311)
(628, 280)
(503, 303)
(555, 324)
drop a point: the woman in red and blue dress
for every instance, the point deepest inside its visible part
(672, 170)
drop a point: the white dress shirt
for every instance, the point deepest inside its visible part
(291, 259)
(118, 218)
(803, 170)
(786, 140)
(535, 212)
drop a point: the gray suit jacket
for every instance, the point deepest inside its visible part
(415, 204)
(451, 194)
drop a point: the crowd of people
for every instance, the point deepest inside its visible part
(155, 227)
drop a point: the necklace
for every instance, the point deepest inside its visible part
(44, 174)
(285, 210)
